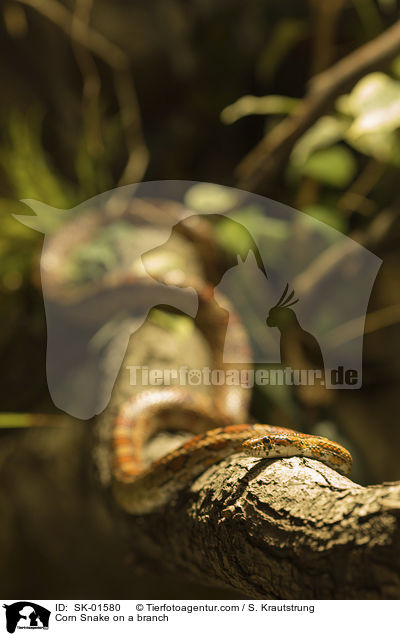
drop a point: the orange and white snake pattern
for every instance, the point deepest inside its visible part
(219, 428)
(143, 491)
(218, 424)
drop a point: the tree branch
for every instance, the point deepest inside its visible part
(286, 529)
(266, 160)
(289, 529)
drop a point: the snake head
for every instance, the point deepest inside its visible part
(257, 446)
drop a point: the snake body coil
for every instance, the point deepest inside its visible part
(142, 490)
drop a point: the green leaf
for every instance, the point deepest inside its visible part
(252, 105)
(328, 215)
(334, 166)
(210, 198)
(375, 105)
(384, 146)
(325, 132)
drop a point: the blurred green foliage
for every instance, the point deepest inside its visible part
(209, 82)
(28, 169)
(365, 122)
(27, 164)
(66, 145)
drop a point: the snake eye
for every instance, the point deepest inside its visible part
(266, 442)
(256, 445)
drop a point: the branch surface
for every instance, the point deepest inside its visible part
(283, 529)
(289, 529)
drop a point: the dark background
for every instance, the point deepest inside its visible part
(97, 94)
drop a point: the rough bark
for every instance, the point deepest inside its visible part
(287, 529)
(290, 529)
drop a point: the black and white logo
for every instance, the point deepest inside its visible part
(26, 615)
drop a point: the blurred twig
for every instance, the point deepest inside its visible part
(310, 281)
(90, 76)
(266, 160)
(374, 321)
(80, 32)
(355, 199)
(325, 16)
(29, 420)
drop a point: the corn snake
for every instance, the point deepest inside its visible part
(143, 490)
(217, 423)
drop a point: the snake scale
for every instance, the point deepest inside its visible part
(144, 491)
(219, 423)
(224, 431)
